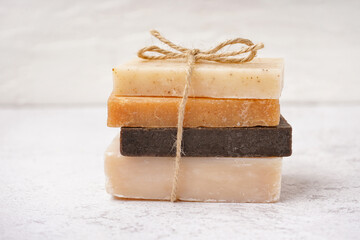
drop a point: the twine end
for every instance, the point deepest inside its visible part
(154, 32)
(173, 198)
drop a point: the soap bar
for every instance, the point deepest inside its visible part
(209, 142)
(260, 78)
(200, 112)
(200, 179)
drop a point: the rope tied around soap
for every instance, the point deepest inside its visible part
(192, 56)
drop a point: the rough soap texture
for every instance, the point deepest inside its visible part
(200, 179)
(260, 78)
(200, 112)
(209, 142)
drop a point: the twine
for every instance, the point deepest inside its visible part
(192, 56)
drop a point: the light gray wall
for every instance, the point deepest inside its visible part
(63, 51)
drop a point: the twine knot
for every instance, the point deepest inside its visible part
(194, 51)
(193, 55)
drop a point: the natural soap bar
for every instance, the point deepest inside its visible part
(200, 112)
(200, 179)
(260, 78)
(208, 142)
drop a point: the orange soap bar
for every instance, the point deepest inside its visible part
(200, 112)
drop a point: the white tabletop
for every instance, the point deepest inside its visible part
(52, 183)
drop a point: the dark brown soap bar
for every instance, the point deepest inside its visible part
(209, 142)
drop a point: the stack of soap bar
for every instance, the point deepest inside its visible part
(233, 141)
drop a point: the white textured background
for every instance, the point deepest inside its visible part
(63, 51)
(56, 57)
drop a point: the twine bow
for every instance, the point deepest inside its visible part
(192, 56)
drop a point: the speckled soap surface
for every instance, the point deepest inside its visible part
(262, 78)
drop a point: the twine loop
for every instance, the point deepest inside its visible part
(192, 56)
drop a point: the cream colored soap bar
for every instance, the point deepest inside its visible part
(262, 78)
(200, 179)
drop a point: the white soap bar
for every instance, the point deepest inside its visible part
(262, 78)
(200, 179)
